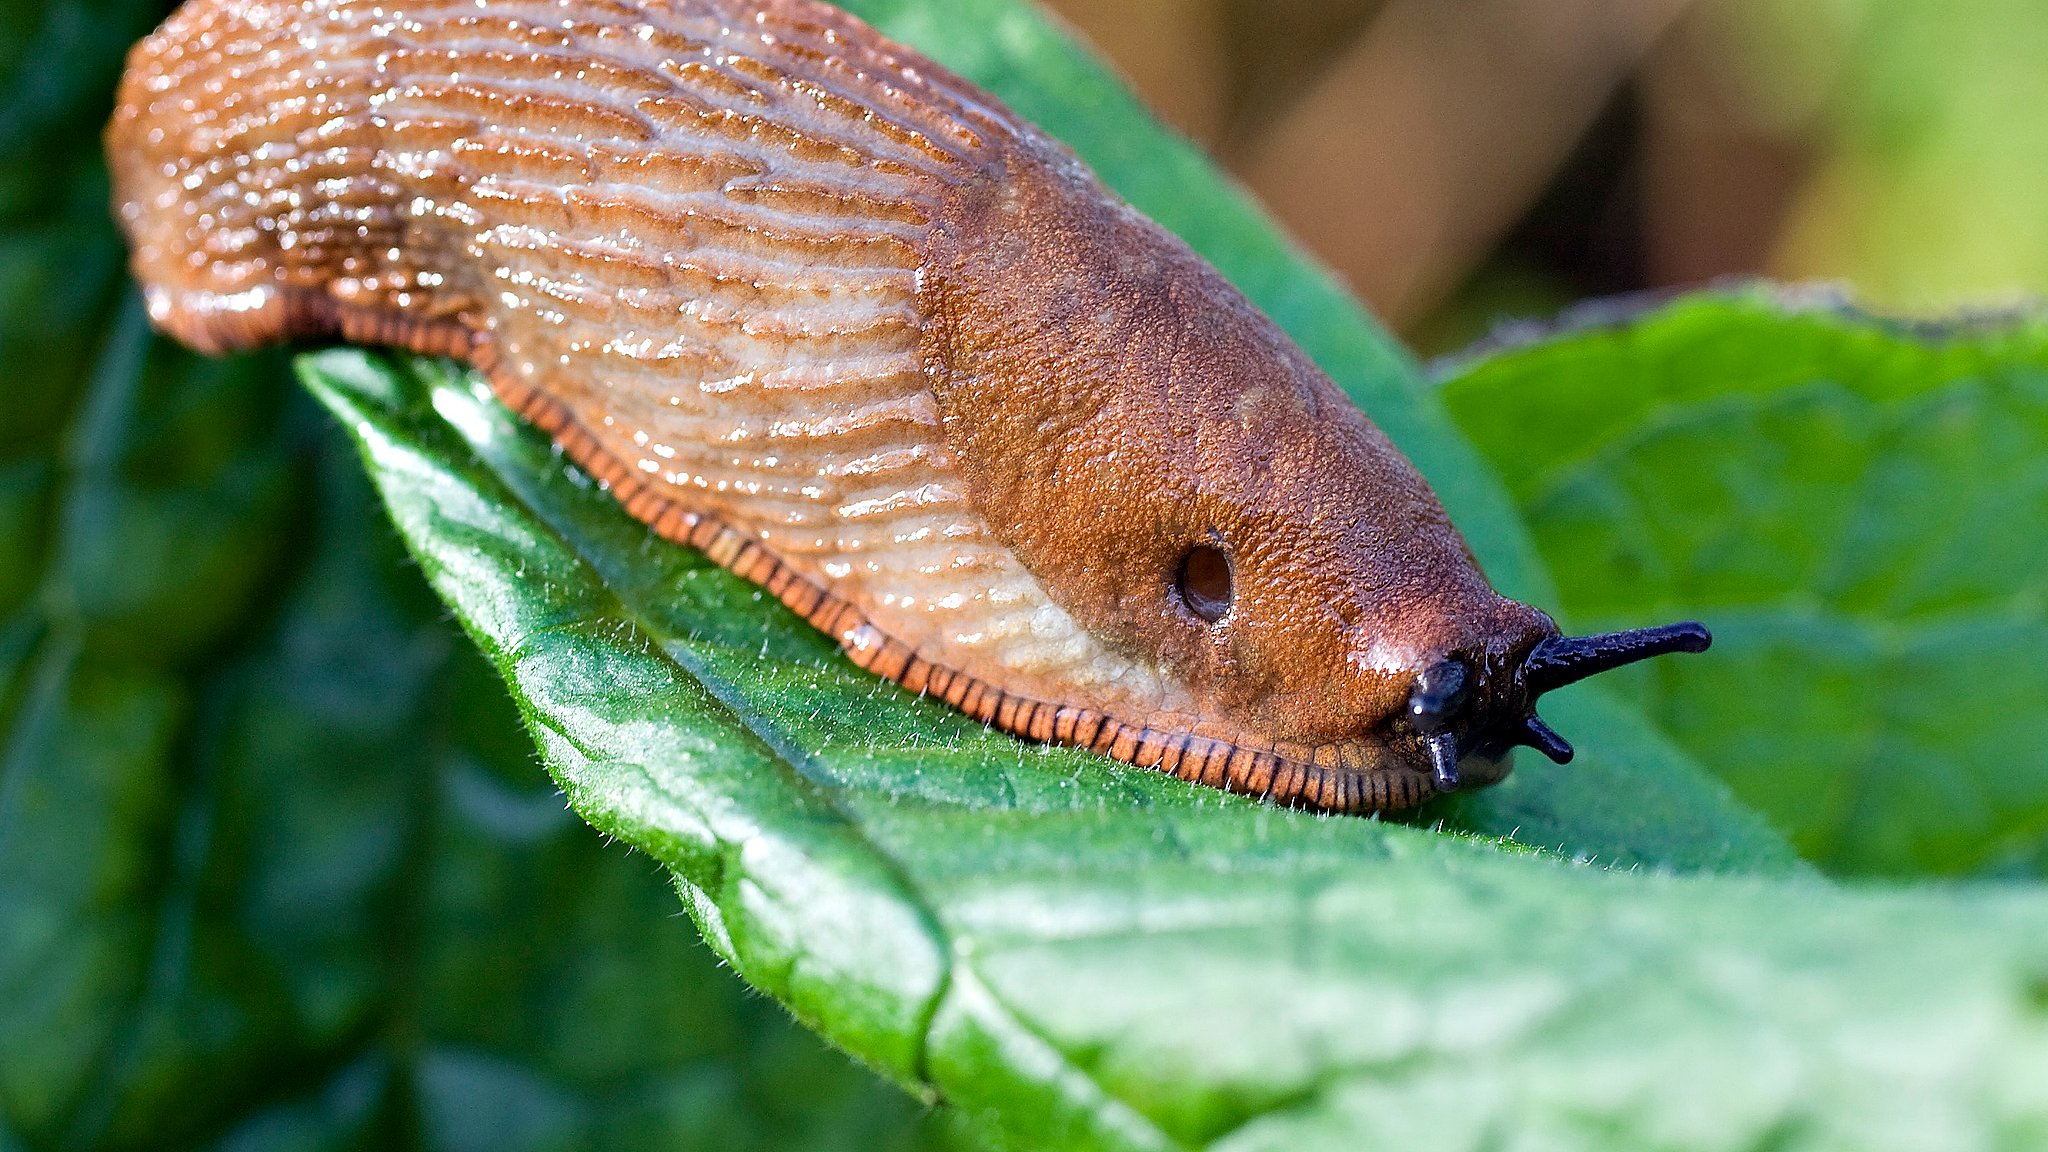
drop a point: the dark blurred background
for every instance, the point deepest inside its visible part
(1460, 160)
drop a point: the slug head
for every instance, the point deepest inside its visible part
(1197, 494)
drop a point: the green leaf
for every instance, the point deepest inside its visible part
(1861, 512)
(276, 869)
(1069, 953)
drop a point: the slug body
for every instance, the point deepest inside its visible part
(809, 302)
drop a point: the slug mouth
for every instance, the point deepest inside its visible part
(1462, 722)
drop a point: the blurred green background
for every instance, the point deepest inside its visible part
(1457, 161)
(305, 885)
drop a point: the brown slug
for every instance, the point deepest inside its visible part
(812, 304)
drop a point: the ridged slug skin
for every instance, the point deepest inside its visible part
(807, 301)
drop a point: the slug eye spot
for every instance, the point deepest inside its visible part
(1204, 582)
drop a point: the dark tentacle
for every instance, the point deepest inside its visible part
(1540, 736)
(1563, 660)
